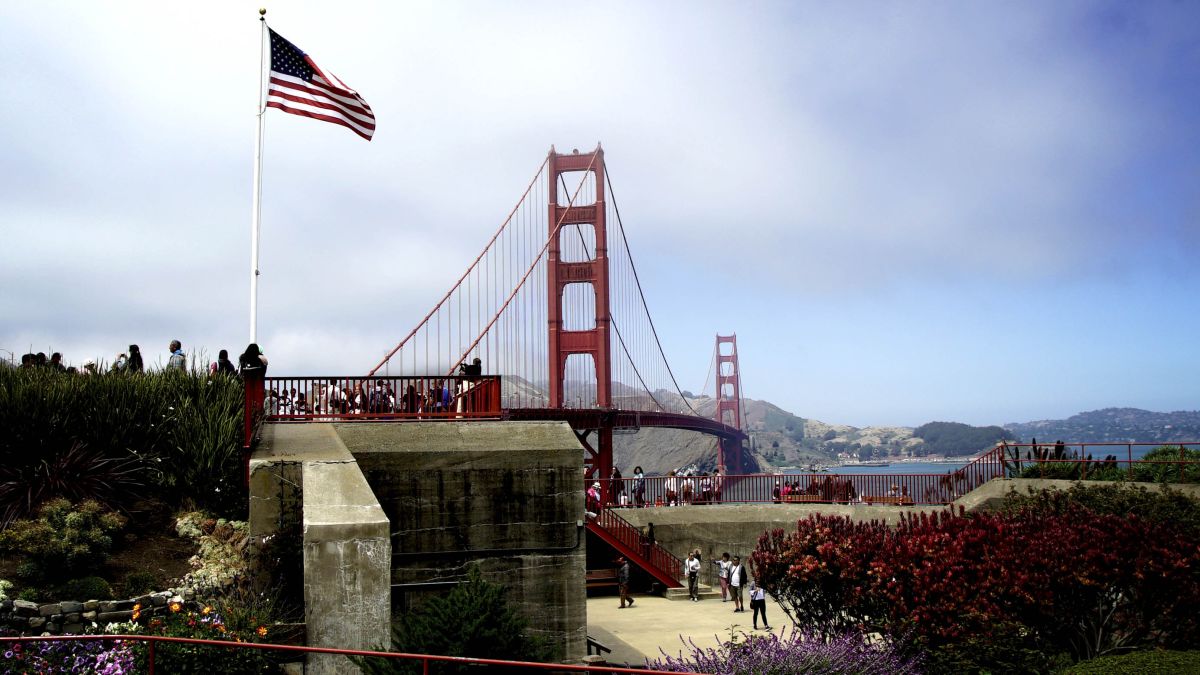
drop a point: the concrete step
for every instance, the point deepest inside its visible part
(704, 591)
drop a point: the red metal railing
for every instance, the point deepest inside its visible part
(888, 488)
(1078, 460)
(425, 659)
(629, 540)
(423, 397)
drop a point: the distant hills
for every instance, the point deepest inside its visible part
(782, 439)
(1113, 425)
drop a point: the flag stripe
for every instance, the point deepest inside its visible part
(299, 102)
(318, 116)
(282, 84)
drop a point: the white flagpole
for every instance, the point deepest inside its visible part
(256, 207)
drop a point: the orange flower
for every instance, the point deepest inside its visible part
(175, 606)
(206, 611)
(262, 631)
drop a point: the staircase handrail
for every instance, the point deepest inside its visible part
(631, 537)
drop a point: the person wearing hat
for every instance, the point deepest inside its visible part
(623, 581)
(593, 499)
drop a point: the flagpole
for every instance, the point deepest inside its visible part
(256, 206)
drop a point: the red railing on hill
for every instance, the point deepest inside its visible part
(629, 541)
(894, 488)
(381, 398)
(1078, 460)
(484, 665)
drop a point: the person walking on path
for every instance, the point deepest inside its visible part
(758, 604)
(723, 566)
(623, 582)
(691, 567)
(737, 581)
(178, 360)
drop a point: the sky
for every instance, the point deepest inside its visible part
(907, 212)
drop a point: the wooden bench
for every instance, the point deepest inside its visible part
(888, 500)
(801, 499)
(602, 578)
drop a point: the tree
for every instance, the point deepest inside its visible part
(474, 619)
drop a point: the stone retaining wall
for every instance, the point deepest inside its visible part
(70, 616)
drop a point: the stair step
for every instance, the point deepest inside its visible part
(704, 591)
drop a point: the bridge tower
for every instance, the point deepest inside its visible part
(594, 341)
(730, 455)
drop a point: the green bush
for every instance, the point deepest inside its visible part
(1168, 473)
(140, 583)
(473, 620)
(87, 588)
(65, 540)
(110, 437)
(1161, 662)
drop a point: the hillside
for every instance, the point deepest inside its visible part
(1113, 425)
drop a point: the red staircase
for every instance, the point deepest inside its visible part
(629, 542)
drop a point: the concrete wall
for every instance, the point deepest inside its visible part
(506, 496)
(345, 537)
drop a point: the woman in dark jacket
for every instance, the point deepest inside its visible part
(252, 362)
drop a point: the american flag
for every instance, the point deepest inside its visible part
(298, 86)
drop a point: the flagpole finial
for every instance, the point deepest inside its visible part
(262, 13)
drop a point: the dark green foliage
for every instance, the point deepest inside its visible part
(1161, 662)
(140, 583)
(956, 439)
(87, 588)
(1168, 473)
(1161, 465)
(113, 438)
(473, 619)
(63, 541)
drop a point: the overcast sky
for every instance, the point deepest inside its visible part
(971, 211)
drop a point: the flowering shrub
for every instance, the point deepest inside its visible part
(204, 622)
(799, 653)
(1008, 591)
(103, 658)
(63, 541)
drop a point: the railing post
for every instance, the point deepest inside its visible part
(1129, 457)
(150, 658)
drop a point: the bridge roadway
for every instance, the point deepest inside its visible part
(597, 418)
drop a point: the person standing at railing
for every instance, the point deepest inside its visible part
(672, 487)
(705, 489)
(616, 487)
(593, 500)
(252, 368)
(639, 487)
(691, 569)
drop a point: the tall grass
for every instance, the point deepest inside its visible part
(118, 438)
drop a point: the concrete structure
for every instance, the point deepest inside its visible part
(505, 496)
(392, 514)
(346, 545)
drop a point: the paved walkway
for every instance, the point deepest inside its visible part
(637, 632)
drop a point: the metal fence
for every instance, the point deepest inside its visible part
(426, 660)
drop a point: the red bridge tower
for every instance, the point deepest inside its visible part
(730, 455)
(593, 342)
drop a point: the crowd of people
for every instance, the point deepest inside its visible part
(431, 396)
(131, 362)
